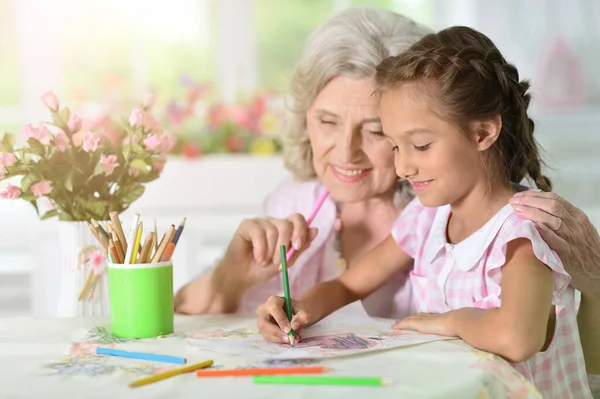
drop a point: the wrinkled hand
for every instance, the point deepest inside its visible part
(274, 324)
(426, 323)
(569, 232)
(253, 253)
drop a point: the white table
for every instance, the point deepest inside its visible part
(33, 364)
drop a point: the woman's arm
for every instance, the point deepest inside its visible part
(252, 257)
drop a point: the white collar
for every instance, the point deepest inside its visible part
(467, 252)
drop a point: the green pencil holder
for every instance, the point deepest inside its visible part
(141, 299)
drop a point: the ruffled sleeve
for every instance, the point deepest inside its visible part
(412, 226)
(516, 227)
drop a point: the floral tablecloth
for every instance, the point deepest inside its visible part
(54, 358)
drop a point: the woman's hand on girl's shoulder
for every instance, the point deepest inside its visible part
(273, 322)
(569, 232)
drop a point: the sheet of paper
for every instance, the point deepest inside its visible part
(349, 331)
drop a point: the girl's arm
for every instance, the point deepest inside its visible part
(517, 330)
(372, 271)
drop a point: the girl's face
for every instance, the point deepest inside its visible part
(351, 155)
(434, 155)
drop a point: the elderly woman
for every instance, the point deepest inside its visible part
(335, 144)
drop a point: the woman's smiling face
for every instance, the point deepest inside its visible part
(351, 155)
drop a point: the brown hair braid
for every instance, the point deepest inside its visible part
(473, 81)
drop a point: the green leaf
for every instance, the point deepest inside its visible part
(49, 214)
(99, 209)
(36, 147)
(139, 165)
(58, 122)
(98, 170)
(69, 182)
(150, 176)
(132, 148)
(65, 114)
(16, 169)
(133, 194)
(7, 143)
(27, 181)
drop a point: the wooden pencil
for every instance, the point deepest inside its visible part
(100, 239)
(118, 246)
(146, 248)
(262, 371)
(170, 373)
(163, 244)
(118, 228)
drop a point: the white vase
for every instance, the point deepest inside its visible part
(77, 246)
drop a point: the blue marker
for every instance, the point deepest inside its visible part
(139, 355)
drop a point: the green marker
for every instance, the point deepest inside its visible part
(286, 292)
(324, 380)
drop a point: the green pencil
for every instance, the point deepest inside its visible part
(286, 292)
(325, 380)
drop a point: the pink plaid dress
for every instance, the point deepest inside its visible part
(319, 262)
(469, 274)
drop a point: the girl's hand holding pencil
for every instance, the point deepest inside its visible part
(274, 324)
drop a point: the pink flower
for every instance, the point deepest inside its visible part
(11, 192)
(2, 172)
(50, 100)
(90, 142)
(7, 159)
(109, 163)
(150, 123)
(43, 187)
(41, 133)
(61, 141)
(131, 140)
(149, 100)
(74, 123)
(133, 172)
(152, 142)
(97, 259)
(160, 164)
(168, 142)
(160, 143)
(136, 118)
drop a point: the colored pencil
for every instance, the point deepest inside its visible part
(175, 239)
(118, 246)
(163, 244)
(100, 239)
(322, 380)
(262, 371)
(100, 229)
(118, 228)
(115, 254)
(310, 219)
(136, 243)
(154, 239)
(171, 373)
(146, 248)
(286, 292)
(140, 355)
(132, 235)
(168, 252)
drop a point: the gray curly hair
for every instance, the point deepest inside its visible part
(351, 43)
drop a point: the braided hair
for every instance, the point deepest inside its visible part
(473, 81)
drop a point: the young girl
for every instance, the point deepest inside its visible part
(455, 114)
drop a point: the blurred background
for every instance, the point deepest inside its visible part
(194, 58)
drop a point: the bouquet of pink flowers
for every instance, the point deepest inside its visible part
(82, 173)
(204, 126)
